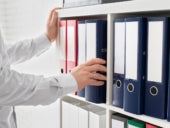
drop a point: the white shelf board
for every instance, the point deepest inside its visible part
(83, 99)
(159, 122)
(118, 7)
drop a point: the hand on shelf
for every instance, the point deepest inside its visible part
(52, 25)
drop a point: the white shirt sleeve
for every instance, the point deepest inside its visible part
(24, 89)
(26, 49)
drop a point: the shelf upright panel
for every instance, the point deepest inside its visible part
(109, 68)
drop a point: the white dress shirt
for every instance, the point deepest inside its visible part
(24, 89)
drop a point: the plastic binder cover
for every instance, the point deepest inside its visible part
(135, 65)
(97, 119)
(70, 112)
(119, 121)
(135, 124)
(62, 45)
(84, 114)
(96, 43)
(156, 75)
(72, 44)
(119, 57)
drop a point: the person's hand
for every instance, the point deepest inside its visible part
(52, 25)
(87, 73)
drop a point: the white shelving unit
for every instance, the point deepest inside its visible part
(112, 10)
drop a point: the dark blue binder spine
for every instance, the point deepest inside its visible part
(118, 86)
(118, 82)
(168, 95)
(93, 93)
(81, 93)
(168, 99)
(156, 106)
(134, 101)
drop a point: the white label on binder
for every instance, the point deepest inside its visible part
(119, 47)
(81, 44)
(131, 50)
(91, 40)
(62, 43)
(71, 43)
(155, 47)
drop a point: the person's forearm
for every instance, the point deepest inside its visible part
(24, 89)
(26, 49)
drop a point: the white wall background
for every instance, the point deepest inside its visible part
(20, 19)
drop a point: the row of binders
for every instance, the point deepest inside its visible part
(141, 61)
(141, 82)
(76, 3)
(79, 114)
(81, 41)
(122, 121)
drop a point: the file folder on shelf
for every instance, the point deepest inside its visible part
(168, 104)
(151, 126)
(72, 44)
(96, 44)
(84, 117)
(70, 112)
(135, 124)
(135, 60)
(81, 48)
(168, 95)
(84, 113)
(63, 45)
(156, 74)
(119, 55)
(119, 121)
(97, 119)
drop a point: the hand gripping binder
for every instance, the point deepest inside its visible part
(156, 74)
(119, 56)
(81, 48)
(135, 60)
(96, 44)
(63, 45)
(72, 44)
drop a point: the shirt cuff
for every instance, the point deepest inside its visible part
(68, 83)
(42, 43)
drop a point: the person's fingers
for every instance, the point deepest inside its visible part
(96, 67)
(50, 16)
(95, 61)
(54, 11)
(54, 18)
(97, 76)
(96, 82)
